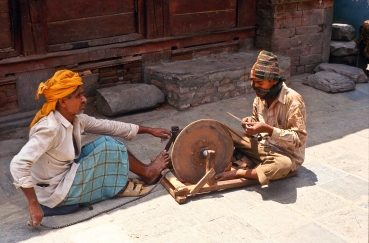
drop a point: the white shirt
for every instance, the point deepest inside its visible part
(47, 157)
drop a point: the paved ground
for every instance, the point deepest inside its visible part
(326, 202)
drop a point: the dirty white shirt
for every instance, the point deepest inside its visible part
(287, 116)
(47, 157)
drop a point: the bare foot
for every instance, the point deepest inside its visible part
(154, 169)
(228, 175)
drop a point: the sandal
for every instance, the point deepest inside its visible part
(134, 188)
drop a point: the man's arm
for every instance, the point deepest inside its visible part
(34, 207)
(157, 132)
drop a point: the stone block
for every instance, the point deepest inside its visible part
(329, 82)
(357, 75)
(198, 81)
(343, 48)
(342, 32)
(90, 84)
(126, 98)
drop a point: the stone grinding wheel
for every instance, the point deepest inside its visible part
(188, 162)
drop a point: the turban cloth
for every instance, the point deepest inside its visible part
(63, 83)
(266, 67)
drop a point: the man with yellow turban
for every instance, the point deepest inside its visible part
(273, 139)
(55, 171)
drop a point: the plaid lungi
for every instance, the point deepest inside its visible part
(102, 173)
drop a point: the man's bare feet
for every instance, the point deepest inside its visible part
(154, 169)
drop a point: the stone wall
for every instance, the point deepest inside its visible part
(300, 30)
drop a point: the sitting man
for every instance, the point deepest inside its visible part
(274, 137)
(52, 168)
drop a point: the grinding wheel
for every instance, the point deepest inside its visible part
(187, 159)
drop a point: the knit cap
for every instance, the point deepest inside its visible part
(266, 67)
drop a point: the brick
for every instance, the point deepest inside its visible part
(132, 65)
(200, 93)
(308, 29)
(292, 22)
(123, 72)
(108, 80)
(313, 17)
(188, 95)
(316, 49)
(132, 76)
(304, 60)
(210, 91)
(291, 7)
(293, 52)
(135, 70)
(281, 43)
(287, 22)
(110, 69)
(107, 74)
(315, 58)
(295, 61)
(226, 88)
(307, 40)
(284, 33)
(290, 14)
(206, 99)
(225, 81)
(170, 87)
(301, 51)
(308, 5)
(157, 83)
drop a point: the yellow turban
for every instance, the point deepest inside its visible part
(63, 83)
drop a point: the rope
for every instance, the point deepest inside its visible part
(104, 211)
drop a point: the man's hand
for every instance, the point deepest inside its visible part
(34, 207)
(156, 132)
(252, 128)
(245, 121)
(36, 213)
(161, 133)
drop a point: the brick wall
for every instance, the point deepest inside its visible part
(128, 73)
(297, 29)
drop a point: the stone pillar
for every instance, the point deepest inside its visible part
(298, 29)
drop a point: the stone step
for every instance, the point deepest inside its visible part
(204, 80)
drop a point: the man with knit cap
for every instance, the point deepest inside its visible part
(54, 170)
(273, 139)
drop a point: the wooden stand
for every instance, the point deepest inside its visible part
(180, 191)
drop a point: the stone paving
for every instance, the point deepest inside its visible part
(326, 202)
